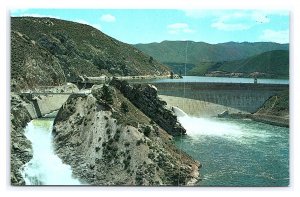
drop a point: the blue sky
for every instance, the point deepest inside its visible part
(145, 26)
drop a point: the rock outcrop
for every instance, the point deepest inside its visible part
(274, 111)
(145, 98)
(109, 141)
(20, 146)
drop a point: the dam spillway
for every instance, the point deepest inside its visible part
(237, 97)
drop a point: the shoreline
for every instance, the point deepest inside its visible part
(267, 119)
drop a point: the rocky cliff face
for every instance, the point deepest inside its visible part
(109, 141)
(145, 98)
(20, 147)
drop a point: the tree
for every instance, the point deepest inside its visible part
(172, 75)
(150, 59)
(124, 107)
(107, 94)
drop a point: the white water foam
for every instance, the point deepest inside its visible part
(45, 168)
(214, 127)
(178, 112)
(209, 127)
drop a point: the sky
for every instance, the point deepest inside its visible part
(150, 25)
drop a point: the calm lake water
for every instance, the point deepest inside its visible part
(197, 79)
(237, 152)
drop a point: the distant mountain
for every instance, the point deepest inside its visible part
(271, 64)
(175, 51)
(46, 51)
(200, 56)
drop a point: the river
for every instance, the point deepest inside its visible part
(237, 152)
(45, 168)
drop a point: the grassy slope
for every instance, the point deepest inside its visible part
(274, 63)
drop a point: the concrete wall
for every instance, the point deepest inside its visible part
(197, 108)
(41, 105)
(218, 97)
(50, 103)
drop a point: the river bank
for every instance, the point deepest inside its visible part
(22, 112)
(268, 119)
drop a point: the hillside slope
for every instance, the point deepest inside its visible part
(201, 56)
(175, 51)
(57, 50)
(271, 64)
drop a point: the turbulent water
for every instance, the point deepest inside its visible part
(237, 152)
(45, 168)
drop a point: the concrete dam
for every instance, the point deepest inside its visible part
(210, 99)
(197, 99)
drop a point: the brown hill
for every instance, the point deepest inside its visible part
(46, 51)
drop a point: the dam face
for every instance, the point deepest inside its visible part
(213, 98)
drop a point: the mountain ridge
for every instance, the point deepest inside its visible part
(174, 51)
(203, 58)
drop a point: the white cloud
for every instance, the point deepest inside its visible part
(177, 28)
(240, 20)
(229, 27)
(108, 18)
(270, 35)
(234, 20)
(97, 26)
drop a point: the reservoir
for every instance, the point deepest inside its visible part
(196, 79)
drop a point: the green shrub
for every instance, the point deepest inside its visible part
(147, 131)
(107, 94)
(124, 107)
(139, 142)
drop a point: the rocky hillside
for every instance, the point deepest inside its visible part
(275, 110)
(50, 51)
(32, 65)
(109, 141)
(20, 146)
